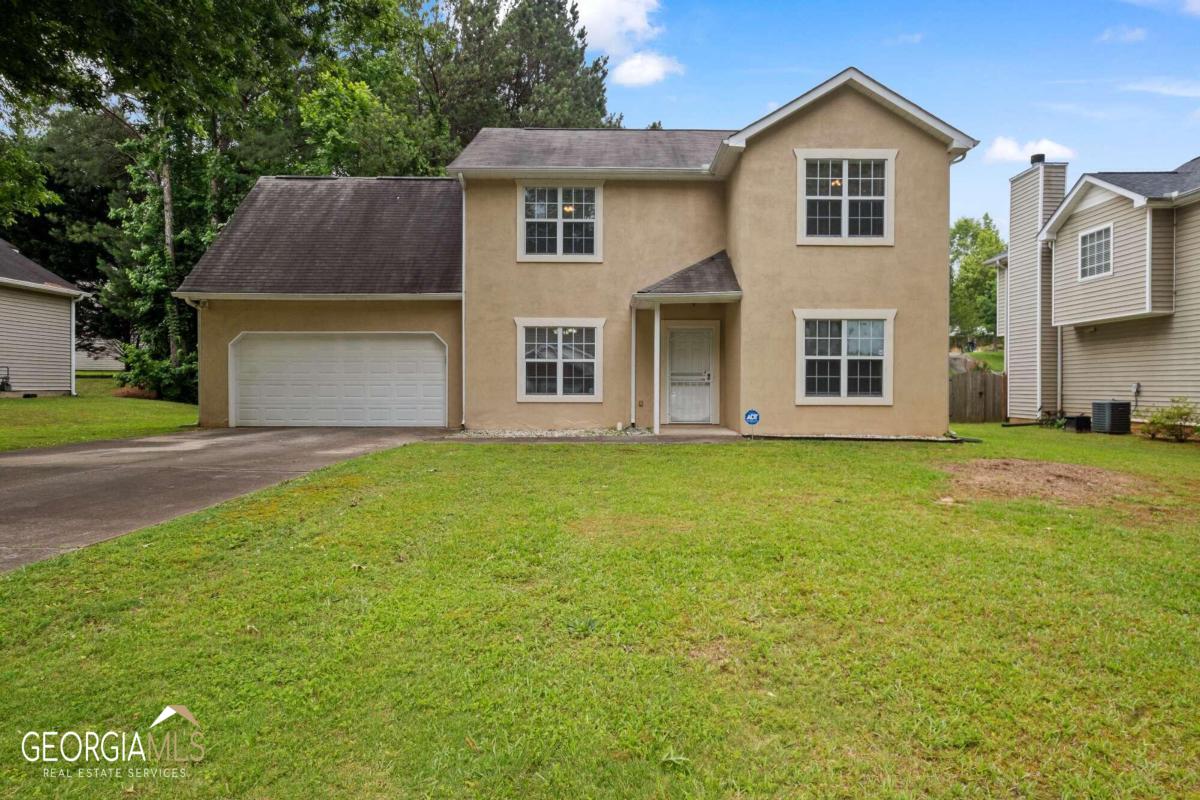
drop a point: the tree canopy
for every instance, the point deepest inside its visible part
(131, 129)
(972, 281)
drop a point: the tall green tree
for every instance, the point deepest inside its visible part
(972, 281)
(524, 68)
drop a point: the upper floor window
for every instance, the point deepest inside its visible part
(1095, 252)
(845, 197)
(559, 223)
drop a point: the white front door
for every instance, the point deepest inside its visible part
(690, 375)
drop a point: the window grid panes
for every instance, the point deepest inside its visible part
(833, 192)
(1095, 253)
(559, 361)
(560, 220)
(843, 358)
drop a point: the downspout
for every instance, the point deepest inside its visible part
(657, 363)
(632, 365)
(74, 305)
(1058, 400)
(462, 344)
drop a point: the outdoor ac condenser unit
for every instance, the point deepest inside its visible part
(1110, 416)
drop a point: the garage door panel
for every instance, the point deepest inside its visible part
(340, 379)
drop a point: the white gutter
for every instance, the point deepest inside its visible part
(48, 288)
(689, 297)
(628, 173)
(188, 296)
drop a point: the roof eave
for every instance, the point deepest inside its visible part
(686, 297)
(204, 295)
(1049, 231)
(594, 173)
(957, 142)
(47, 288)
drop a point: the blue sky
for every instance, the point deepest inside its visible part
(1111, 85)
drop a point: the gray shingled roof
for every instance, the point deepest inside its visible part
(589, 148)
(17, 267)
(1185, 178)
(338, 236)
(713, 274)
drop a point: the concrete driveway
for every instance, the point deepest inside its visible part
(56, 499)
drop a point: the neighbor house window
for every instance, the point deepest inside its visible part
(559, 223)
(1095, 252)
(845, 196)
(844, 356)
(559, 359)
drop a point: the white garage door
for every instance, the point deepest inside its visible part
(339, 379)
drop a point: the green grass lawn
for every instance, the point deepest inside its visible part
(759, 619)
(993, 358)
(93, 414)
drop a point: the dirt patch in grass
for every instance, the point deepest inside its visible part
(718, 653)
(1069, 484)
(135, 392)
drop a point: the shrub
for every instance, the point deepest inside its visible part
(1176, 421)
(157, 375)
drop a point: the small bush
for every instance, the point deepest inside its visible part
(1176, 421)
(157, 375)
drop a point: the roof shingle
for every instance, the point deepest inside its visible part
(1184, 178)
(589, 148)
(710, 275)
(338, 236)
(17, 267)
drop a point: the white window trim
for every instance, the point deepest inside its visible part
(889, 198)
(888, 315)
(1112, 247)
(593, 258)
(560, 322)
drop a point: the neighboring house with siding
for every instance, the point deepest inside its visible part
(37, 326)
(1102, 294)
(105, 357)
(568, 278)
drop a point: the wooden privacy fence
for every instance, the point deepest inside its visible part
(978, 396)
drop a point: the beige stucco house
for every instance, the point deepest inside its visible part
(600, 278)
(37, 327)
(1098, 296)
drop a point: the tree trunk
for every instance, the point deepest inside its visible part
(168, 201)
(214, 181)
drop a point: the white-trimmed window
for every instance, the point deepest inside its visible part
(845, 196)
(559, 222)
(844, 356)
(1095, 252)
(560, 360)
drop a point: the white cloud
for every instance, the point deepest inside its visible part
(1122, 34)
(621, 28)
(772, 105)
(1004, 148)
(1192, 7)
(1170, 87)
(905, 38)
(644, 68)
(617, 27)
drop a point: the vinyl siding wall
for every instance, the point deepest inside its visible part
(1034, 194)
(1120, 293)
(1001, 300)
(1162, 261)
(35, 340)
(1162, 353)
